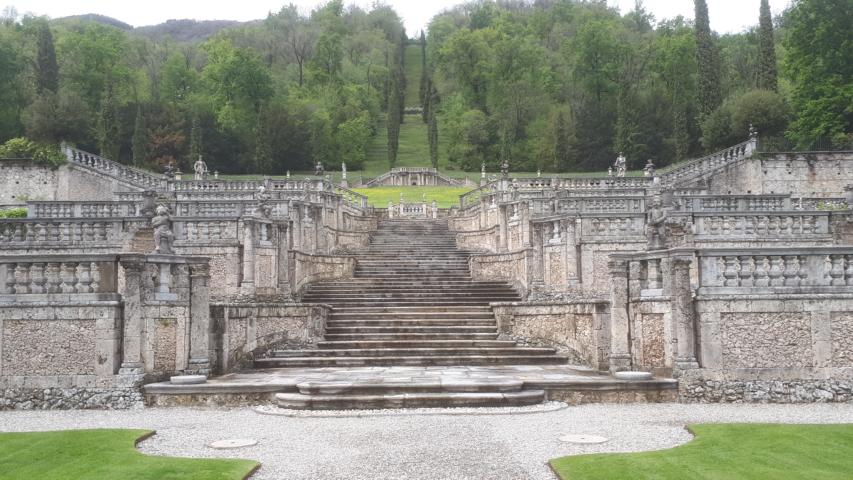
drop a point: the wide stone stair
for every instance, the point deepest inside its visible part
(411, 302)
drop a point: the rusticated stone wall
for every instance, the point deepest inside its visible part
(576, 329)
(243, 331)
(512, 267)
(802, 174)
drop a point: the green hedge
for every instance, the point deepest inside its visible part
(14, 213)
(40, 153)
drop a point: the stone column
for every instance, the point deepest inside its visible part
(199, 361)
(540, 238)
(569, 239)
(502, 228)
(620, 350)
(284, 242)
(683, 314)
(247, 286)
(132, 365)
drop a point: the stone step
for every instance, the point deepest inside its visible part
(411, 323)
(393, 298)
(409, 344)
(362, 337)
(439, 360)
(424, 290)
(343, 315)
(381, 304)
(412, 352)
(429, 310)
(412, 329)
(355, 387)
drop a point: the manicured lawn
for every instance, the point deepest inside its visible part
(729, 452)
(103, 454)
(444, 196)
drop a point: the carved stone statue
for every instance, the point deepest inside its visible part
(264, 208)
(149, 203)
(483, 170)
(318, 169)
(343, 170)
(656, 225)
(200, 169)
(163, 236)
(620, 165)
(649, 169)
(505, 168)
(169, 170)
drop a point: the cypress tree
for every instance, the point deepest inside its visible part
(424, 87)
(562, 149)
(432, 125)
(109, 131)
(394, 115)
(401, 85)
(139, 143)
(47, 70)
(766, 49)
(195, 139)
(708, 59)
(262, 157)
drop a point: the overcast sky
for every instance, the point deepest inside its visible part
(727, 16)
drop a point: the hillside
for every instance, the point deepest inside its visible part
(184, 30)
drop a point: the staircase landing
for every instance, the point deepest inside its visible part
(410, 387)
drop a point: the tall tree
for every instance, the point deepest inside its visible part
(139, 143)
(47, 69)
(708, 60)
(196, 138)
(817, 61)
(109, 129)
(394, 115)
(432, 125)
(766, 49)
(262, 154)
(424, 87)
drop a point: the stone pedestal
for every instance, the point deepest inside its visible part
(199, 361)
(682, 314)
(247, 286)
(620, 350)
(132, 365)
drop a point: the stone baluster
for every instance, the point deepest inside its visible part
(730, 273)
(68, 277)
(745, 271)
(22, 271)
(653, 273)
(836, 270)
(52, 275)
(37, 278)
(791, 272)
(84, 278)
(776, 272)
(7, 278)
(848, 271)
(761, 277)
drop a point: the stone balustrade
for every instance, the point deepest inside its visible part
(820, 203)
(65, 233)
(57, 274)
(766, 226)
(346, 240)
(774, 270)
(601, 205)
(694, 169)
(623, 226)
(134, 176)
(486, 240)
(195, 230)
(731, 203)
(44, 209)
(412, 210)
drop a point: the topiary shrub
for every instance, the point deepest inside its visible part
(14, 213)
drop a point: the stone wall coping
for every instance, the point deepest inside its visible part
(75, 219)
(59, 257)
(755, 213)
(476, 232)
(844, 293)
(516, 252)
(160, 258)
(548, 303)
(31, 300)
(321, 255)
(268, 304)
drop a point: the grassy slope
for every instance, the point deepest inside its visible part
(729, 452)
(444, 196)
(103, 454)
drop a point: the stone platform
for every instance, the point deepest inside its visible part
(415, 386)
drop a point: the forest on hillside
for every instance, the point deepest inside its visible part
(560, 85)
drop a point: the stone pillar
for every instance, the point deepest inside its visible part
(620, 351)
(569, 239)
(540, 238)
(132, 365)
(284, 243)
(683, 314)
(502, 228)
(247, 286)
(199, 361)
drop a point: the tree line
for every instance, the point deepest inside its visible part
(559, 85)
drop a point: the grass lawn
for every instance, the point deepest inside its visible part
(729, 452)
(103, 454)
(444, 196)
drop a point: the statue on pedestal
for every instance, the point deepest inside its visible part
(483, 170)
(163, 236)
(318, 169)
(655, 225)
(200, 169)
(620, 165)
(649, 169)
(264, 208)
(505, 168)
(169, 170)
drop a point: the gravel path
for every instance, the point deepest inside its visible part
(418, 446)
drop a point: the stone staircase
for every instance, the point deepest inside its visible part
(412, 303)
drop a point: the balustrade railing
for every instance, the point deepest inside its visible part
(62, 274)
(801, 270)
(131, 175)
(35, 233)
(694, 169)
(766, 225)
(622, 226)
(731, 203)
(39, 209)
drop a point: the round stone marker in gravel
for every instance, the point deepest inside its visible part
(633, 375)
(233, 443)
(187, 379)
(588, 439)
